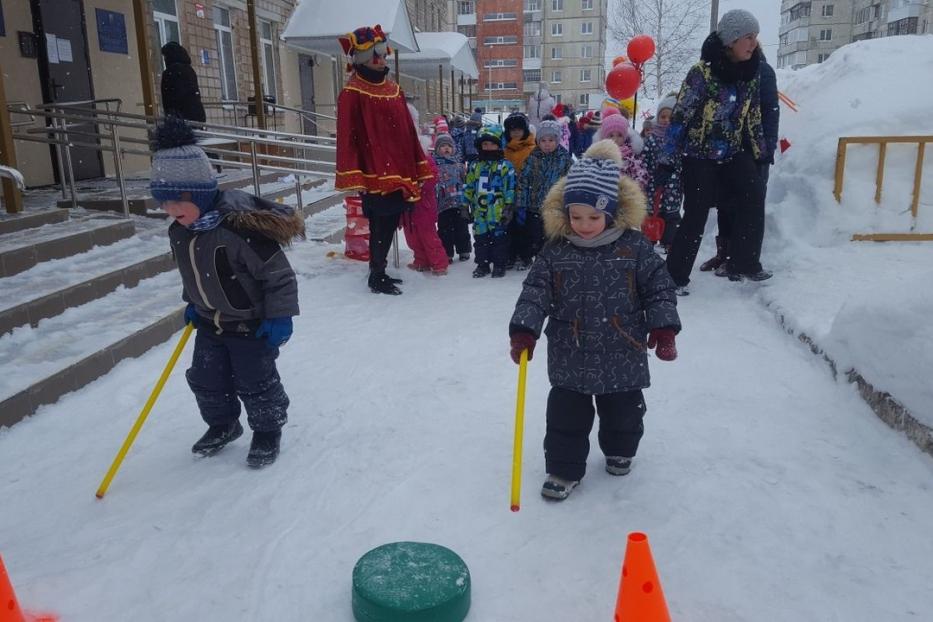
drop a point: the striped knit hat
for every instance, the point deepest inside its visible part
(180, 169)
(594, 182)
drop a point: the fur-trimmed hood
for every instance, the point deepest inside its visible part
(632, 203)
(276, 221)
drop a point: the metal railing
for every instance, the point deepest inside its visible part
(83, 124)
(243, 114)
(883, 142)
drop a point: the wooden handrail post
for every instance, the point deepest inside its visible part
(840, 169)
(879, 174)
(918, 177)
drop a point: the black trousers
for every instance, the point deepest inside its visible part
(529, 237)
(735, 187)
(724, 217)
(229, 368)
(570, 419)
(383, 212)
(492, 248)
(454, 232)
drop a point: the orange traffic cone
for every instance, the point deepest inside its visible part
(641, 598)
(9, 609)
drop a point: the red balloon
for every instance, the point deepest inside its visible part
(640, 49)
(623, 81)
(618, 59)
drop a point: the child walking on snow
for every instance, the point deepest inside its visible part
(489, 195)
(452, 218)
(672, 194)
(616, 128)
(240, 289)
(608, 299)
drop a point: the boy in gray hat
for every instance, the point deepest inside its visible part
(240, 289)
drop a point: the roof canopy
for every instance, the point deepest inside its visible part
(450, 50)
(315, 24)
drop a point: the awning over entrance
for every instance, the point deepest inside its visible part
(450, 50)
(315, 24)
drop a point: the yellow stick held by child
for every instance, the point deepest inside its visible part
(519, 431)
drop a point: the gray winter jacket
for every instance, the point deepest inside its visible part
(600, 302)
(236, 273)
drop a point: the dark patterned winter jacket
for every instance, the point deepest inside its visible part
(542, 170)
(718, 110)
(450, 180)
(600, 302)
(672, 194)
(236, 274)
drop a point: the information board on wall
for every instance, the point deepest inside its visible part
(111, 31)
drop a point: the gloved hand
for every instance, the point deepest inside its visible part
(276, 330)
(522, 341)
(663, 339)
(191, 315)
(662, 175)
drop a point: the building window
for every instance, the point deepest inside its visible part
(586, 28)
(827, 10)
(586, 5)
(165, 15)
(586, 75)
(557, 29)
(268, 58)
(557, 5)
(532, 5)
(503, 86)
(821, 57)
(906, 26)
(532, 29)
(467, 31)
(466, 7)
(586, 51)
(799, 11)
(532, 51)
(584, 100)
(493, 63)
(500, 17)
(532, 75)
(224, 37)
(556, 53)
(826, 34)
(555, 77)
(501, 40)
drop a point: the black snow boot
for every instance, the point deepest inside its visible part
(264, 449)
(216, 438)
(382, 284)
(481, 271)
(719, 259)
(761, 275)
(498, 271)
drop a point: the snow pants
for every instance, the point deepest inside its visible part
(529, 236)
(492, 248)
(454, 232)
(570, 419)
(383, 212)
(229, 368)
(733, 186)
(724, 217)
(420, 227)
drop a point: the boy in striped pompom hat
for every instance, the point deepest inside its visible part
(608, 299)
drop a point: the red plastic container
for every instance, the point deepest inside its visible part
(356, 237)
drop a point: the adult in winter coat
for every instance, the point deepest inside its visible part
(540, 104)
(716, 130)
(181, 95)
(608, 299)
(378, 149)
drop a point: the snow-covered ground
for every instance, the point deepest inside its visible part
(769, 491)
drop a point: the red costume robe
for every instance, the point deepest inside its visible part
(378, 151)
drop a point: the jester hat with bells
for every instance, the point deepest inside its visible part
(360, 45)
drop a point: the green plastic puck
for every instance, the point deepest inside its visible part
(411, 582)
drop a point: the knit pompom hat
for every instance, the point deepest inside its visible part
(735, 24)
(613, 123)
(668, 102)
(548, 129)
(180, 169)
(593, 180)
(441, 126)
(443, 139)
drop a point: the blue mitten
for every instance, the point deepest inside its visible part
(276, 330)
(191, 315)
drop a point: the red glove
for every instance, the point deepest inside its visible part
(522, 341)
(663, 338)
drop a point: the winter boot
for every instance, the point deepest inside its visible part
(216, 438)
(557, 488)
(761, 275)
(417, 267)
(521, 265)
(618, 465)
(481, 271)
(264, 449)
(382, 284)
(719, 259)
(498, 271)
(464, 257)
(722, 270)
(681, 290)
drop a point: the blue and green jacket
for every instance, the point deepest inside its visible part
(489, 193)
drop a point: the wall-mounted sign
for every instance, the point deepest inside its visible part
(111, 31)
(199, 10)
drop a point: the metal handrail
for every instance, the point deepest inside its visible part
(11, 173)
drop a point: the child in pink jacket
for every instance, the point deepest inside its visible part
(421, 230)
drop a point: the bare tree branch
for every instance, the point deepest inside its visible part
(675, 26)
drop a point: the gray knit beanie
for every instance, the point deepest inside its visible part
(594, 182)
(180, 166)
(444, 139)
(735, 24)
(548, 128)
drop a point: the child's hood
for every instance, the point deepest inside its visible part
(277, 221)
(518, 145)
(632, 202)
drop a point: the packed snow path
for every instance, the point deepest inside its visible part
(769, 491)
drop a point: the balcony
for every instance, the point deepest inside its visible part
(531, 87)
(531, 63)
(469, 19)
(904, 12)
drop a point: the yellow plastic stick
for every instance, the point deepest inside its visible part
(145, 413)
(519, 431)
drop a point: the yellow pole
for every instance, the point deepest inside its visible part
(145, 413)
(519, 431)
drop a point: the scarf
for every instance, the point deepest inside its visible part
(608, 236)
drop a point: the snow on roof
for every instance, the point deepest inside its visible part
(451, 50)
(315, 24)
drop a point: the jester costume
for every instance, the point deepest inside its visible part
(378, 152)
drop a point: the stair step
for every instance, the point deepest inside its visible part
(11, 223)
(70, 350)
(22, 250)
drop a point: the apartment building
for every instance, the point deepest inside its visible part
(811, 30)
(524, 45)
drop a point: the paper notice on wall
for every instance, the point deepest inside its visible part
(51, 46)
(64, 51)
